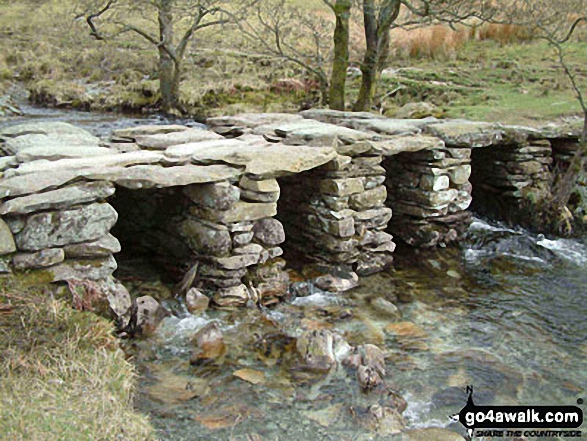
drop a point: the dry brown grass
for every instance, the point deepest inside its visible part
(436, 42)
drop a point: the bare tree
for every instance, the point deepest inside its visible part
(160, 21)
(279, 30)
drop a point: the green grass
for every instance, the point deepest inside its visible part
(518, 83)
(62, 372)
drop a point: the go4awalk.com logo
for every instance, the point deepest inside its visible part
(517, 421)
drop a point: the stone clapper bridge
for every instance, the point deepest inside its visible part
(219, 203)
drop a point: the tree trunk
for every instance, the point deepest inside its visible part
(369, 66)
(168, 75)
(377, 38)
(342, 11)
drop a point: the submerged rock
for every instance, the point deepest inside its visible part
(209, 343)
(322, 350)
(195, 301)
(149, 314)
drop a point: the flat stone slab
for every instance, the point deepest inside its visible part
(272, 160)
(58, 199)
(132, 132)
(461, 133)
(390, 126)
(252, 120)
(400, 144)
(305, 131)
(56, 150)
(54, 128)
(336, 116)
(153, 176)
(12, 146)
(117, 160)
(164, 140)
(184, 152)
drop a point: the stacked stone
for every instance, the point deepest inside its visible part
(507, 174)
(430, 192)
(230, 230)
(343, 213)
(63, 232)
(563, 151)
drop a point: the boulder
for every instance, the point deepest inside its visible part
(418, 111)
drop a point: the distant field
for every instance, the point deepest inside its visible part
(488, 72)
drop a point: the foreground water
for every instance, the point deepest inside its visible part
(506, 314)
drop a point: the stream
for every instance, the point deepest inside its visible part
(506, 313)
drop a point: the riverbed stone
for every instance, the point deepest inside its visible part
(196, 302)
(102, 247)
(7, 244)
(321, 350)
(58, 228)
(209, 344)
(58, 199)
(149, 314)
(221, 195)
(39, 259)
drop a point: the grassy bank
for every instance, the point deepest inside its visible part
(492, 73)
(62, 372)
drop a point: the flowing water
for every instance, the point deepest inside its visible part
(506, 313)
